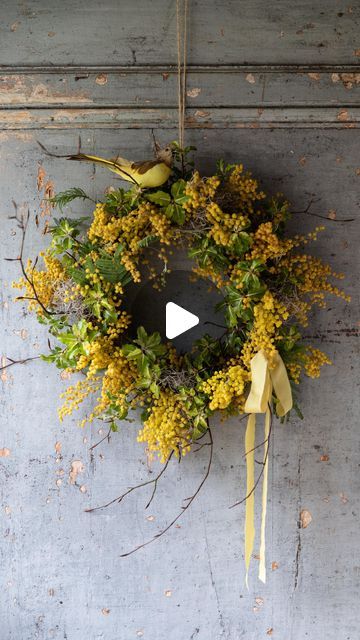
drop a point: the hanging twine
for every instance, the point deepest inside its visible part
(181, 29)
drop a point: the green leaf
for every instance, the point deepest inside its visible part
(147, 241)
(178, 192)
(131, 351)
(65, 197)
(169, 211)
(240, 243)
(178, 215)
(159, 197)
(113, 270)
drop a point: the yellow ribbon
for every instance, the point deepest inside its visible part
(263, 381)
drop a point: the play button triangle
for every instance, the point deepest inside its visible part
(178, 320)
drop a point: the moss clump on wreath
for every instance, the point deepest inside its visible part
(235, 235)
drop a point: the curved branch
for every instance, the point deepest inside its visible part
(183, 509)
(13, 362)
(138, 486)
(263, 463)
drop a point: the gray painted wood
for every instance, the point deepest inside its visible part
(141, 32)
(60, 572)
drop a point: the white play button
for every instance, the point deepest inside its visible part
(178, 320)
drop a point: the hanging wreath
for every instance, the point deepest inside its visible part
(235, 236)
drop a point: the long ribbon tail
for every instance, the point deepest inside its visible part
(262, 567)
(250, 500)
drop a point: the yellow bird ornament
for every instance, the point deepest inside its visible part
(145, 174)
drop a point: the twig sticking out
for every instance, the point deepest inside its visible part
(138, 486)
(318, 215)
(189, 502)
(267, 443)
(23, 221)
(12, 362)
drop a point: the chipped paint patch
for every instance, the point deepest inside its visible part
(193, 93)
(41, 174)
(343, 115)
(14, 26)
(105, 611)
(101, 79)
(17, 89)
(250, 78)
(305, 518)
(4, 376)
(314, 76)
(58, 447)
(5, 452)
(21, 333)
(49, 192)
(202, 114)
(76, 467)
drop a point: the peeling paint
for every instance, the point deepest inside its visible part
(343, 115)
(101, 79)
(21, 333)
(76, 467)
(4, 375)
(305, 518)
(202, 114)
(250, 78)
(17, 89)
(314, 76)
(193, 93)
(41, 174)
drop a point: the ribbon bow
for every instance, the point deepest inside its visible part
(264, 380)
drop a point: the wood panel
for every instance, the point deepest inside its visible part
(140, 32)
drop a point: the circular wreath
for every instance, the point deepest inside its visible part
(236, 237)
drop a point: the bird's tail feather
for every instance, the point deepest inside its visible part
(106, 163)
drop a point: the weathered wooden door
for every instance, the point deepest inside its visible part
(276, 86)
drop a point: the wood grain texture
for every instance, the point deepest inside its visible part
(142, 32)
(279, 91)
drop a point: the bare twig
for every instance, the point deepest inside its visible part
(23, 222)
(13, 362)
(318, 215)
(262, 469)
(106, 437)
(183, 509)
(138, 486)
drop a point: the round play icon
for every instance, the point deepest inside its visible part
(182, 311)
